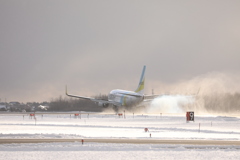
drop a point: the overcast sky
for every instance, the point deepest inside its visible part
(96, 46)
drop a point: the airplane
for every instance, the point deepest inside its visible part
(122, 98)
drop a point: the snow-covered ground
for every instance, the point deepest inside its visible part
(104, 151)
(111, 126)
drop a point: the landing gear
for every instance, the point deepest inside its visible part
(115, 108)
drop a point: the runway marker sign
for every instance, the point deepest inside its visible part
(189, 116)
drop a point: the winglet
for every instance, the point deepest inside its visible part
(66, 90)
(198, 90)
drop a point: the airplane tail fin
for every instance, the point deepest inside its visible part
(140, 88)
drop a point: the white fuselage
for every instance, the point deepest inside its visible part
(125, 98)
(119, 97)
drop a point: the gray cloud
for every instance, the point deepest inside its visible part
(95, 46)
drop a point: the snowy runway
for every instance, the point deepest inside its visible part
(122, 140)
(102, 126)
(62, 151)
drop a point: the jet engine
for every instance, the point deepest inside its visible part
(100, 104)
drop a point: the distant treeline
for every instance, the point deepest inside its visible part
(75, 104)
(227, 103)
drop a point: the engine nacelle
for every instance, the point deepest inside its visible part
(100, 104)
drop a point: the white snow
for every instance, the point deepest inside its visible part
(111, 126)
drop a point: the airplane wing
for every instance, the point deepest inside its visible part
(150, 97)
(100, 101)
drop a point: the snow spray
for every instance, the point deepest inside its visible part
(170, 104)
